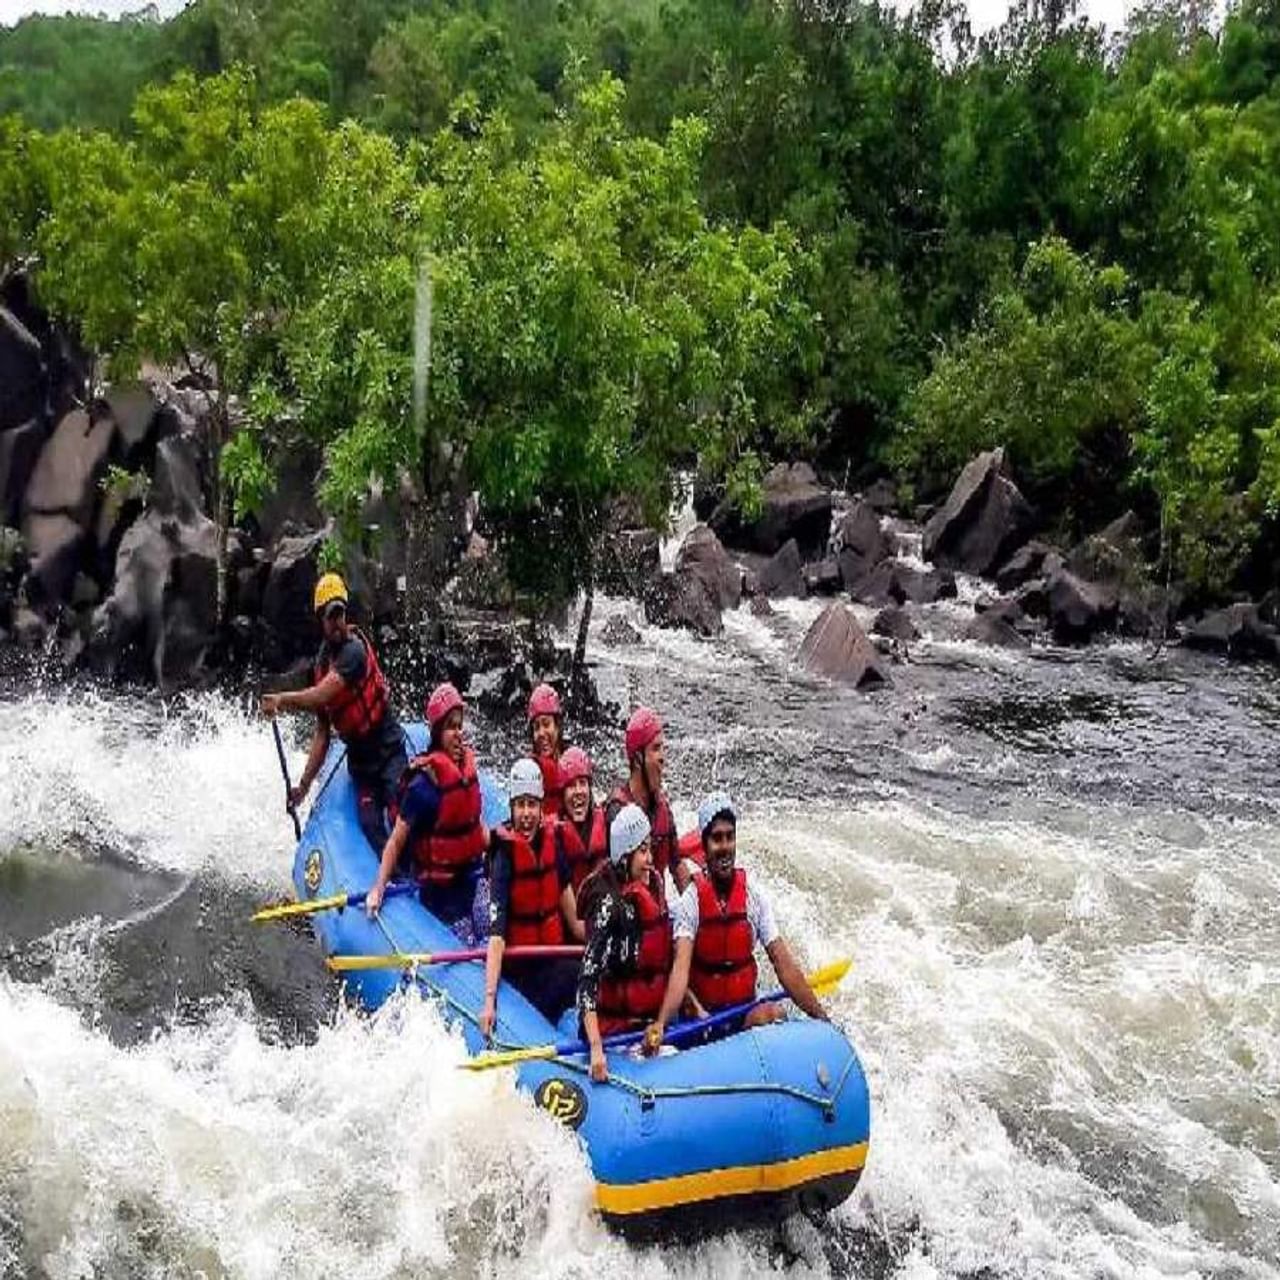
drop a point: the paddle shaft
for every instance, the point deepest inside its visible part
(335, 903)
(679, 1030)
(830, 974)
(288, 786)
(411, 959)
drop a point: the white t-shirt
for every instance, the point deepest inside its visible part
(685, 915)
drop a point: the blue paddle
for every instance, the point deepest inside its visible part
(822, 981)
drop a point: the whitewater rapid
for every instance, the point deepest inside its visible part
(1059, 879)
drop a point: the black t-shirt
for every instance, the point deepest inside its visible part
(371, 754)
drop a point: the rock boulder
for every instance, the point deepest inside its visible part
(702, 556)
(288, 596)
(1236, 631)
(895, 622)
(838, 648)
(160, 616)
(19, 451)
(862, 543)
(783, 576)
(1077, 610)
(896, 582)
(796, 506)
(1033, 559)
(682, 600)
(22, 372)
(983, 519)
(56, 543)
(70, 468)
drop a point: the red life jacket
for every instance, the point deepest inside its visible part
(724, 962)
(456, 840)
(552, 788)
(662, 836)
(358, 709)
(630, 1001)
(533, 912)
(584, 858)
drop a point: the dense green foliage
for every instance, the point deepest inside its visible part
(683, 230)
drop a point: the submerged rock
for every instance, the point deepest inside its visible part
(896, 623)
(1238, 631)
(838, 648)
(682, 600)
(619, 633)
(897, 582)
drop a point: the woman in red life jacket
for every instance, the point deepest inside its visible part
(350, 698)
(586, 837)
(438, 826)
(725, 915)
(633, 974)
(645, 763)
(546, 734)
(531, 903)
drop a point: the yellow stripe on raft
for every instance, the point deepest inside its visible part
(739, 1180)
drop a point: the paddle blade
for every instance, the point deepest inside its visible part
(486, 1061)
(299, 908)
(827, 979)
(397, 960)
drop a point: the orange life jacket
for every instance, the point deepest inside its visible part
(662, 834)
(630, 1001)
(358, 709)
(456, 839)
(724, 962)
(552, 787)
(533, 912)
(584, 858)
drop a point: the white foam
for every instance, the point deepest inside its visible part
(181, 786)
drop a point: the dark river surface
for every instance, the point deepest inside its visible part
(1058, 874)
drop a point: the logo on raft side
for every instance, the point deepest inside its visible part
(563, 1099)
(313, 870)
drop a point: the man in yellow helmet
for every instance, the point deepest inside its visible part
(349, 698)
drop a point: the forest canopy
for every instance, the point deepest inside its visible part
(683, 233)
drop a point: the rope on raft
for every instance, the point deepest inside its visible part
(648, 1096)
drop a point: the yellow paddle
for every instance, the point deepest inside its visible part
(823, 981)
(410, 959)
(287, 909)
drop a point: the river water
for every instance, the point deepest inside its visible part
(1058, 875)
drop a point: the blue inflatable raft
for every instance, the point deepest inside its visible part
(746, 1128)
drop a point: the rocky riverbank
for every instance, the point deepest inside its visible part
(108, 554)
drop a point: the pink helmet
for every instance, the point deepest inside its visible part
(574, 764)
(544, 701)
(444, 698)
(642, 728)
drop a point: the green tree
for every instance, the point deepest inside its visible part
(594, 328)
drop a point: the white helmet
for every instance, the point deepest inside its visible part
(525, 779)
(717, 803)
(628, 831)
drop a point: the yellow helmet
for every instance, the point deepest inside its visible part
(329, 588)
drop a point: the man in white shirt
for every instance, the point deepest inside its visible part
(725, 916)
